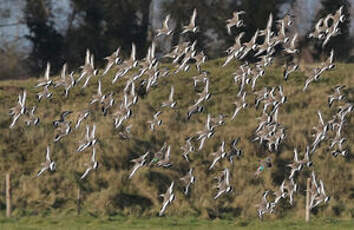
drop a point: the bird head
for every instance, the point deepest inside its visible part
(52, 166)
(117, 61)
(55, 124)
(309, 164)
(36, 121)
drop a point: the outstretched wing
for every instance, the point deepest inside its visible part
(296, 159)
(165, 23)
(320, 116)
(133, 54)
(331, 55)
(171, 93)
(194, 15)
(99, 90)
(85, 173)
(93, 131)
(47, 71)
(227, 176)
(93, 157)
(87, 58)
(42, 171)
(63, 72)
(135, 168)
(170, 189)
(48, 154)
(207, 125)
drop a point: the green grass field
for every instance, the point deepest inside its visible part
(108, 192)
(167, 223)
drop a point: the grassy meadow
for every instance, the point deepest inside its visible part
(108, 197)
(168, 223)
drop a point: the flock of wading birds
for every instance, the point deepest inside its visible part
(269, 131)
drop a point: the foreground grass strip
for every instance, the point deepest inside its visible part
(77, 223)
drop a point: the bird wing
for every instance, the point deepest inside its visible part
(201, 143)
(87, 132)
(99, 89)
(216, 159)
(165, 23)
(85, 173)
(331, 56)
(93, 131)
(163, 208)
(171, 93)
(108, 67)
(116, 53)
(93, 157)
(282, 186)
(314, 179)
(42, 171)
(322, 188)
(320, 116)
(48, 154)
(255, 36)
(194, 15)
(135, 168)
(207, 125)
(227, 176)
(63, 72)
(47, 72)
(222, 149)
(157, 114)
(296, 159)
(219, 194)
(167, 155)
(87, 58)
(23, 101)
(307, 157)
(20, 99)
(270, 22)
(133, 54)
(293, 41)
(153, 49)
(170, 189)
(92, 64)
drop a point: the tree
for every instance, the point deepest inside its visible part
(213, 14)
(47, 42)
(257, 13)
(104, 25)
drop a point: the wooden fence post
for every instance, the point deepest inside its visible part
(307, 216)
(8, 195)
(78, 200)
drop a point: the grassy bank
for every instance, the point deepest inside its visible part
(109, 192)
